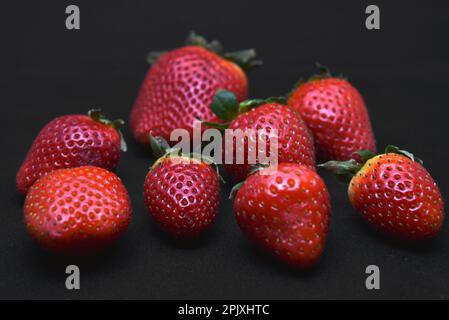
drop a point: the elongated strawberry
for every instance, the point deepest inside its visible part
(286, 210)
(77, 210)
(394, 192)
(336, 114)
(261, 117)
(72, 141)
(181, 83)
(182, 194)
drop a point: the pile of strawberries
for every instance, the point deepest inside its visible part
(75, 204)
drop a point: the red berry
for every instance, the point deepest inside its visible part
(337, 116)
(71, 141)
(77, 211)
(395, 194)
(182, 195)
(295, 143)
(179, 88)
(285, 210)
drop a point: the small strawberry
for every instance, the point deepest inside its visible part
(394, 192)
(336, 114)
(181, 193)
(72, 141)
(78, 210)
(294, 141)
(285, 210)
(181, 83)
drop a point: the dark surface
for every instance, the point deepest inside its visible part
(48, 71)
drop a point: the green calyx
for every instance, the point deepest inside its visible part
(323, 72)
(161, 149)
(393, 149)
(194, 39)
(247, 105)
(246, 59)
(345, 170)
(159, 146)
(226, 107)
(153, 56)
(235, 189)
(97, 116)
(253, 169)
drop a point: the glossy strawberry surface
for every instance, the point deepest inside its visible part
(336, 114)
(78, 210)
(294, 142)
(69, 141)
(179, 88)
(398, 196)
(182, 195)
(285, 210)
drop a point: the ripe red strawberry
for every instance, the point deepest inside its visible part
(72, 141)
(285, 210)
(78, 210)
(181, 83)
(394, 192)
(336, 114)
(295, 143)
(182, 195)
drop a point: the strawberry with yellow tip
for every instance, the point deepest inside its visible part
(394, 192)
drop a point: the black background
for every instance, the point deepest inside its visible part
(47, 71)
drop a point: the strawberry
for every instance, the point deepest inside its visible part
(181, 83)
(72, 141)
(77, 210)
(336, 114)
(394, 192)
(286, 210)
(294, 141)
(182, 193)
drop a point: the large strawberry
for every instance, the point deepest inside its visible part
(286, 210)
(394, 192)
(181, 83)
(262, 117)
(336, 114)
(182, 193)
(78, 210)
(72, 141)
